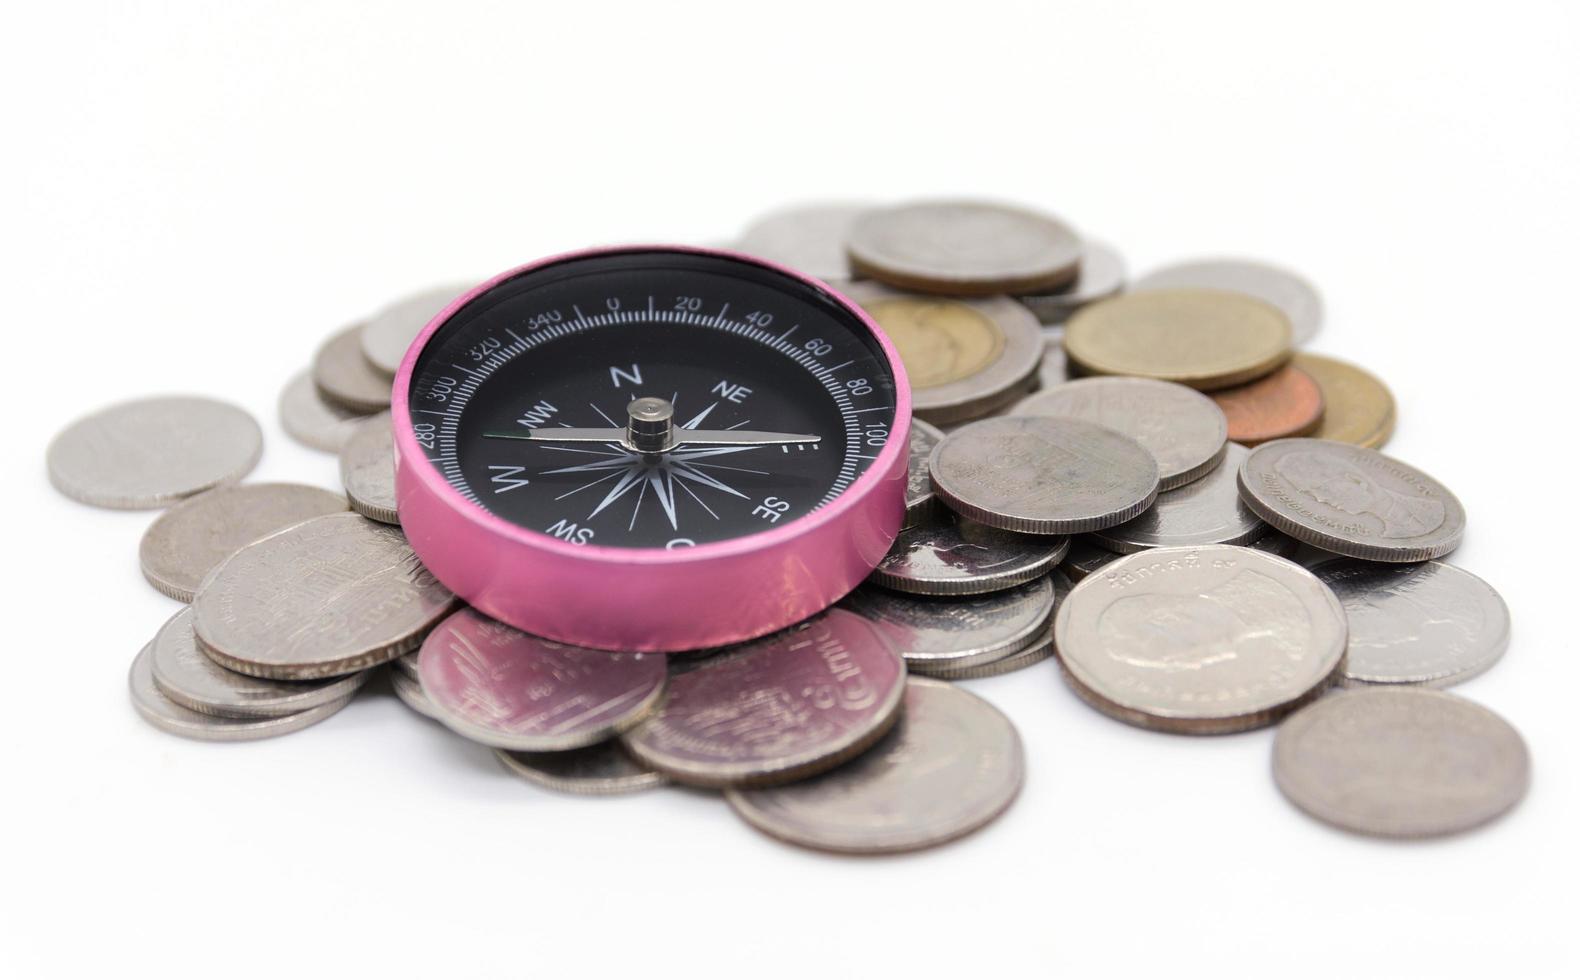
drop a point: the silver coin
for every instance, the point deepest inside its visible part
(507, 689)
(1281, 545)
(1430, 623)
(809, 238)
(407, 664)
(919, 504)
(951, 765)
(1208, 511)
(1102, 275)
(346, 378)
(1055, 367)
(1200, 640)
(1292, 294)
(604, 769)
(330, 596)
(1040, 649)
(310, 420)
(949, 555)
(385, 338)
(153, 451)
(185, 675)
(190, 539)
(1351, 501)
(1400, 762)
(782, 708)
(1085, 557)
(965, 358)
(1041, 475)
(964, 248)
(959, 631)
(410, 692)
(1183, 429)
(367, 470)
(165, 715)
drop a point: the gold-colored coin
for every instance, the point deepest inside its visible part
(965, 358)
(1360, 408)
(939, 340)
(1205, 338)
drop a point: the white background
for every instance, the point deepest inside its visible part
(196, 193)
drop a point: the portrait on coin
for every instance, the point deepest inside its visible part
(1334, 483)
(1248, 616)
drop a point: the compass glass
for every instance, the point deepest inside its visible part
(780, 398)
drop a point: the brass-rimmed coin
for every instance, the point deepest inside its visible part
(1286, 403)
(1205, 338)
(1359, 408)
(965, 358)
(964, 248)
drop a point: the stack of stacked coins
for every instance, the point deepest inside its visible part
(1145, 482)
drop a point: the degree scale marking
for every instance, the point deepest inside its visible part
(447, 461)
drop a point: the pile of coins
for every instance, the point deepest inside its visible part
(1146, 482)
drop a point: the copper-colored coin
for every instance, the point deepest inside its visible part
(1359, 407)
(1205, 338)
(1285, 403)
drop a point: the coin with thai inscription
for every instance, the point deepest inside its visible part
(964, 248)
(1102, 275)
(367, 470)
(1085, 556)
(951, 765)
(1205, 338)
(165, 715)
(958, 631)
(153, 451)
(1200, 640)
(1358, 408)
(1043, 475)
(507, 689)
(330, 596)
(1182, 428)
(1400, 762)
(385, 337)
(1431, 623)
(919, 504)
(778, 709)
(190, 539)
(965, 358)
(310, 420)
(191, 679)
(346, 378)
(1283, 404)
(1351, 500)
(604, 769)
(809, 238)
(1292, 294)
(951, 555)
(1208, 511)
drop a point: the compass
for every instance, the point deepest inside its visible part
(651, 447)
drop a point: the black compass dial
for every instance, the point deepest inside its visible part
(652, 399)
